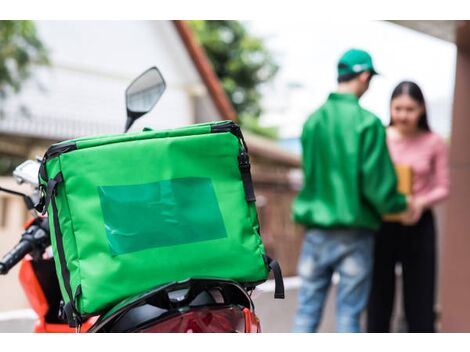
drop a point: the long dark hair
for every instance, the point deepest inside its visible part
(412, 90)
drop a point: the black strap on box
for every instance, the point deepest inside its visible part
(278, 280)
(50, 188)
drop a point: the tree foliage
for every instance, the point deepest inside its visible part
(242, 63)
(20, 51)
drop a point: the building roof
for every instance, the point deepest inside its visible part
(204, 67)
(270, 150)
(257, 145)
(444, 30)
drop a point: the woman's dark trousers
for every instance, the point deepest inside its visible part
(415, 248)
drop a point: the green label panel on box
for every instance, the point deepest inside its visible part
(166, 213)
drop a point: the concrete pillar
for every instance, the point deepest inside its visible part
(455, 280)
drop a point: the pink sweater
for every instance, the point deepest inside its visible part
(426, 153)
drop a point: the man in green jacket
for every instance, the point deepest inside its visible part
(349, 183)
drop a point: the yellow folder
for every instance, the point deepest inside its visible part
(405, 186)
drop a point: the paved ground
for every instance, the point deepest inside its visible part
(17, 325)
(276, 316)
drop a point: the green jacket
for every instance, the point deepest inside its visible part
(349, 178)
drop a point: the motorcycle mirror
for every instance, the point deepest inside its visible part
(28, 201)
(142, 94)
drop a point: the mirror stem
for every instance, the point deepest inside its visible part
(12, 192)
(129, 123)
(28, 201)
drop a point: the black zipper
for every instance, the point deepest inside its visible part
(53, 151)
(60, 148)
(243, 158)
(231, 127)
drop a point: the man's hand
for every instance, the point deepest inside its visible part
(413, 212)
(407, 216)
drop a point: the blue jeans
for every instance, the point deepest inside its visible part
(350, 254)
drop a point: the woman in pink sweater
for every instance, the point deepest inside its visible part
(412, 242)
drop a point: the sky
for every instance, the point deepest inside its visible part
(308, 51)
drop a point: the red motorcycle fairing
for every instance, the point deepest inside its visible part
(39, 281)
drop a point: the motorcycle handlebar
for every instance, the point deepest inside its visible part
(15, 255)
(34, 240)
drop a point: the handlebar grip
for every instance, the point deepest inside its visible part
(14, 256)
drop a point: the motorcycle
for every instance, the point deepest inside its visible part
(192, 305)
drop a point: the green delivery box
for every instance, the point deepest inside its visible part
(129, 212)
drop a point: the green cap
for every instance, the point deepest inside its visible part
(355, 61)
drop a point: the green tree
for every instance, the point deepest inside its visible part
(20, 51)
(242, 63)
